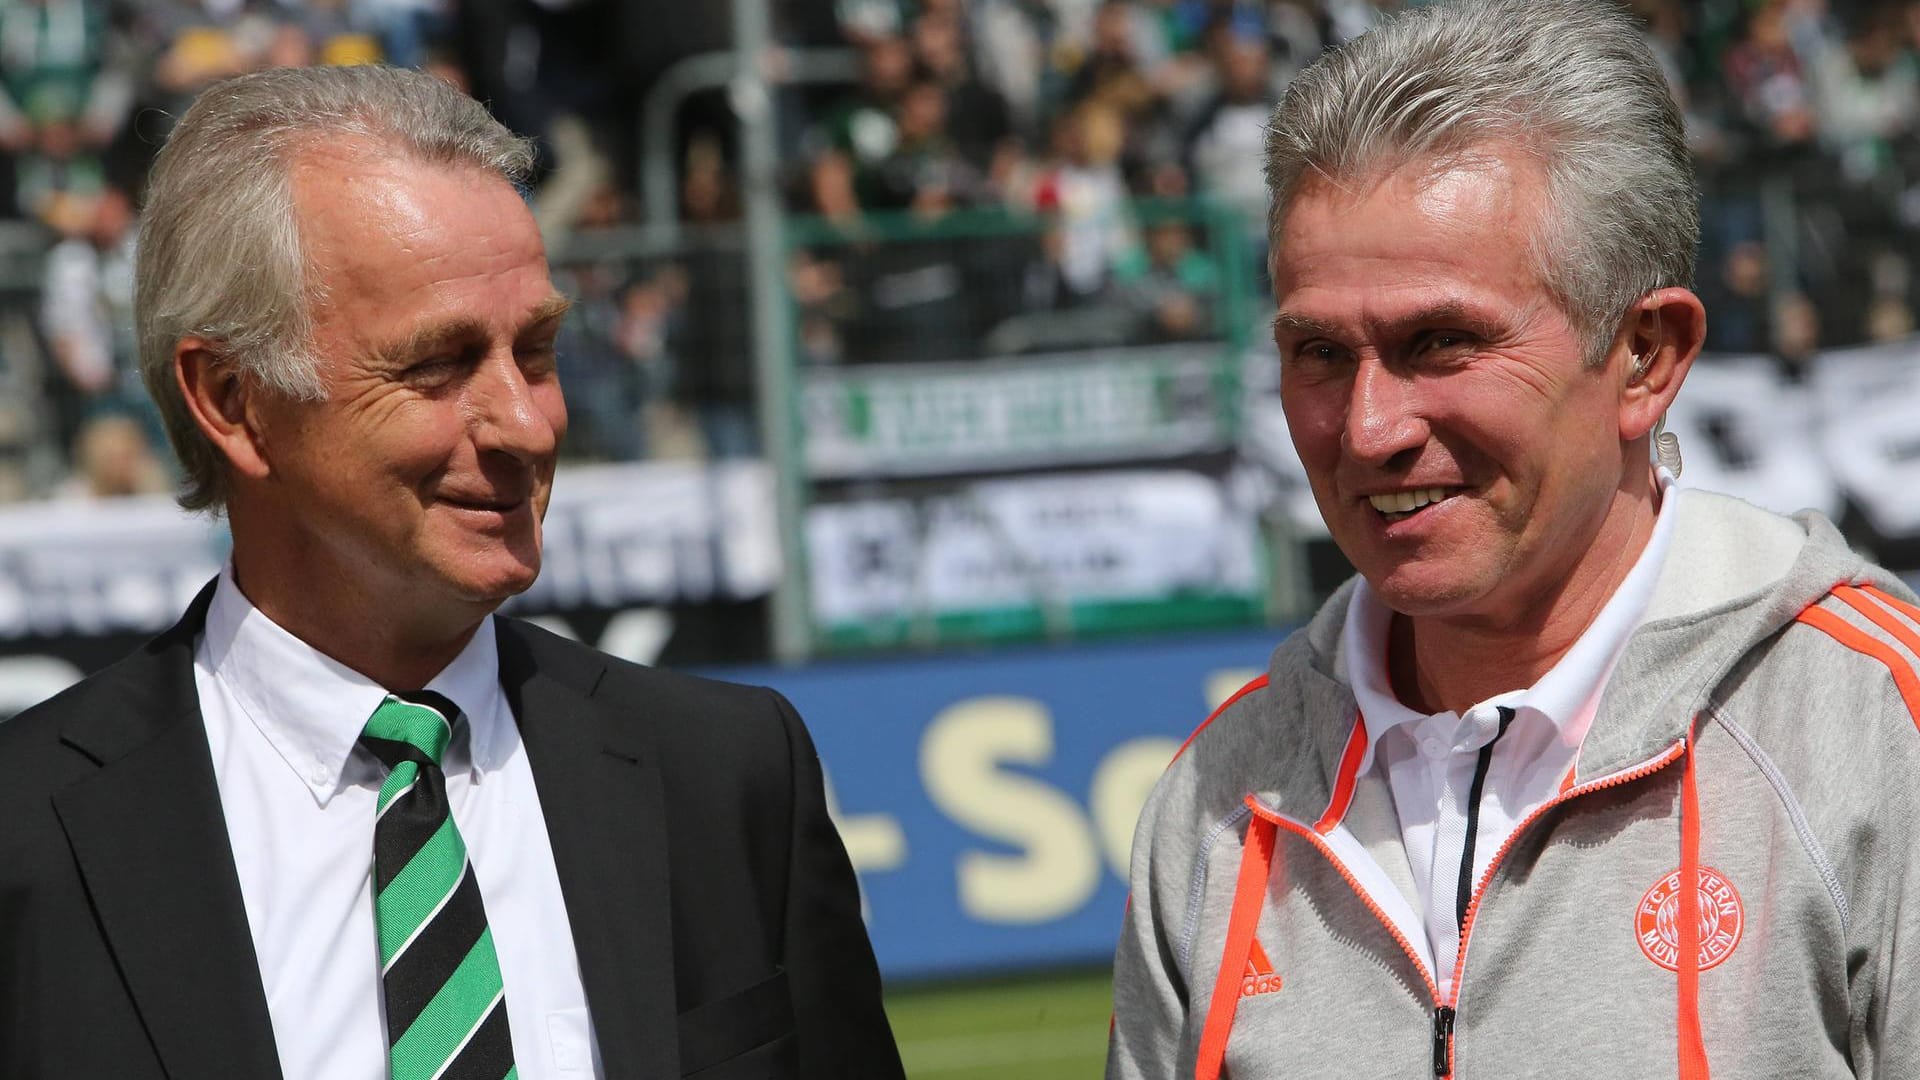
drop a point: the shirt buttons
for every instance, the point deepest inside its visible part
(1433, 748)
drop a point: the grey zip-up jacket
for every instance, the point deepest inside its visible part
(1760, 730)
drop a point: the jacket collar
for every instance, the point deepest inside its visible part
(1734, 576)
(150, 839)
(598, 773)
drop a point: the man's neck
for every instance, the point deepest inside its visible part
(360, 632)
(1447, 664)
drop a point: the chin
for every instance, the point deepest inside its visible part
(482, 584)
(1416, 592)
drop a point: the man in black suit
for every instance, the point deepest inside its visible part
(341, 821)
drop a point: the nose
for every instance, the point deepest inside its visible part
(1383, 420)
(513, 414)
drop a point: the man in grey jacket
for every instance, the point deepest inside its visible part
(1583, 775)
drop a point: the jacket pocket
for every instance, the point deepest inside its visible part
(735, 1026)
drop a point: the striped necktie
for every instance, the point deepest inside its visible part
(446, 1005)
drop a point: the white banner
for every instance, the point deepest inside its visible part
(1746, 432)
(657, 532)
(1868, 403)
(1143, 535)
(91, 568)
(616, 535)
(980, 415)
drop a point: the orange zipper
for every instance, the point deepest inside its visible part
(1366, 898)
(1647, 768)
(1444, 1014)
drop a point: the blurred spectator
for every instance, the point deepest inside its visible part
(1889, 319)
(61, 102)
(86, 314)
(861, 131)
(1670, 34)
(1796, 335)
(867, 21)
(649, 319)
(1890, 314)
(1295, 31)
(1767, 82)
(824, 306)
(708, 195)
(712, 379)
(1228, 138)
(1736, 292)
(1009, 55)
(335, 32)
(411, 33)
(978, 119)
(602, 382)
(1867, 92)
(1170, 285)
(925, 172)
(1085, 189)
(196, 43)
(115, 459)
(1113, 73)
(1119, 75)
(553, 70)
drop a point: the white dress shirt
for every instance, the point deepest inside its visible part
(283, 722)
(1429, 761)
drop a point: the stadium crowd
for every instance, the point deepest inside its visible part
(1804, 116)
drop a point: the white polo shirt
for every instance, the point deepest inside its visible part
(1430, 761)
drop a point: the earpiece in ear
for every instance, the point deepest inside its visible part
(1666, 448)
(1641, 361)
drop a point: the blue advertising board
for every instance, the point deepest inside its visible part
(988, 801)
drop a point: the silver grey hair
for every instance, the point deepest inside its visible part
(219, 254)
(1570, 82)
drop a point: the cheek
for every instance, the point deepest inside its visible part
(1315, 417)
(423, 446)
(552, 406)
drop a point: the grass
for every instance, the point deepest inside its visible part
(1050, 1027)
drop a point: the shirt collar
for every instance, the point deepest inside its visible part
(312, 708)
(1565, 695)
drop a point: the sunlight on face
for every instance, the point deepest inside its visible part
(426, 471)
(1458, 448)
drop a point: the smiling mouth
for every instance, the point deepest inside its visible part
(495, 505)
(1396, 506)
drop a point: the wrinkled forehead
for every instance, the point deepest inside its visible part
(1489, 180)
(364, 216)
(1449, 240)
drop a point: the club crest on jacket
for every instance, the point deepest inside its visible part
(1722, 919)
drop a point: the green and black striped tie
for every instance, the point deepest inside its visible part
(446, 1005)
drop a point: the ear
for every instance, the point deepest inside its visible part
(224, 404)
(1659, 340)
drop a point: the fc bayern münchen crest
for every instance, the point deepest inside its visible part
(1656, 920)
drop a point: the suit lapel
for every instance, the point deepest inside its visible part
(150, 840)
(600, 791)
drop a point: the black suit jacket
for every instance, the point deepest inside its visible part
(715, 914)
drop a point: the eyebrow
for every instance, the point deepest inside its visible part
(1300, 325)
(434, 337)
(1445, 311)
(552, 309)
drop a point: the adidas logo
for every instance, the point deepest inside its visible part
(1260, 978)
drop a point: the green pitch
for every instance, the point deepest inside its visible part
(1044, 1028)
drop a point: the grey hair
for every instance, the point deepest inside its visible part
(1570, 82)
(220, 256)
